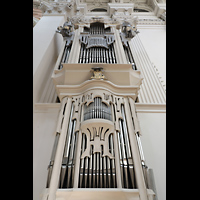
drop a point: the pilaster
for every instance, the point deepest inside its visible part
(151, 90)
(60, 148)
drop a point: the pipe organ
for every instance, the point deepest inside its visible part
(101, 145)
(65, 55)
(97, 45)
(101, 118)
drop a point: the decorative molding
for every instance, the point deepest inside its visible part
(150, 108)
(67, 31)
(70, 90)
(97, 132)
(97, 73)
(46, 107)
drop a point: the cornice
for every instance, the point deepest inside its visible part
(71, 90)
(46, 107)
(150, 108)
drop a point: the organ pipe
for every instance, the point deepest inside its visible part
(97, 55)
(97, 109)
(67, 168)
(97, 171)
(65, 56)
(50, 167)
(126, 160)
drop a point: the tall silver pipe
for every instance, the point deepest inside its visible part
(101, 56)
(112, 161)
(86, 55)
(106, 55)
(97, 54)
(81, 54)
(131, 171)
(104, 172)
(66, 150)
(74, 156)
(100, 170)
(68, 52)
(97, 169)
(50, 167)
(83, 57)
(90, 167)
(86, 171)
(108, 171)
(64, 54)
(113, 53)
(126, 54)
(130, 55)
(82, 161)
(126, 133)
(94, 170)
(120, 157)
(110, 56)
(94, 55)
(122, 139)
(71, 156)
(140, 149)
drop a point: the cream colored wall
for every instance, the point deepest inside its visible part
(44, 126)
(153, 129)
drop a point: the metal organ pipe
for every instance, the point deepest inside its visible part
(129, 56)
(97, 109)
(97, 171)
(97, 54)
(126, 160)
(50, 167)
(65, 56)
(67, 168)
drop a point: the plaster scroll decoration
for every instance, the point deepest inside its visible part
(97, 73)
(55, 7)
(117, 103)
(97, 35)
(97, 41)
(67, 31)
(129, 30)
(97, 136)
(104, 95)
(77, 110)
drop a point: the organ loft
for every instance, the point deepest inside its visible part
(92, 133)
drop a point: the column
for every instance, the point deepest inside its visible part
(77, 161)
(78, 150)
(76, 46)
(118, 47)
(59, 153)
(151, 90)
(117, 161)
(46, 47)
(135, 120)
(135, 154)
